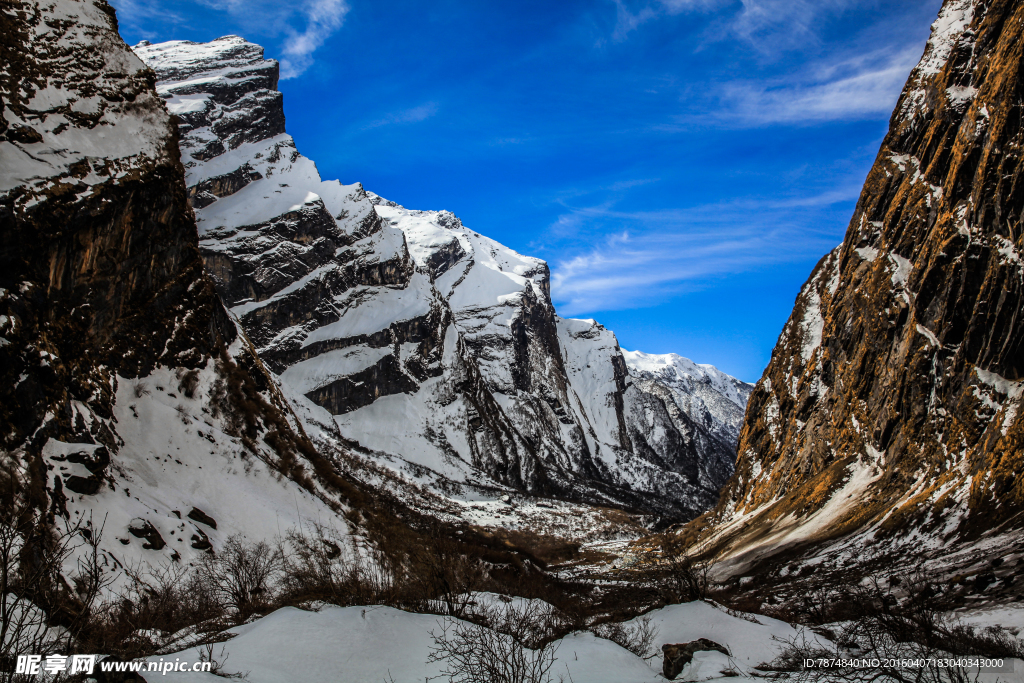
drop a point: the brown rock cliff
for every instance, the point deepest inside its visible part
(898, 379)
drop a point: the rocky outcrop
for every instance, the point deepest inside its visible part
(891, 408)
(126, 391)
(677, 656)
(421, 343)
(96, 238)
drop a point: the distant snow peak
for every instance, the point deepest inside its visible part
(674, 367)
(428, 348)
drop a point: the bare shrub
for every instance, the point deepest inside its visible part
(510, 646)
(684, 572)
(322, 563)
(242, 575)
(638, 638)
(441, 575)
(429, 570)
(166, 598)
(893, 627)
(40, 612)
(217, 662)
(140, 389)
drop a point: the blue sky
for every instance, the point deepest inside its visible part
(680, 164)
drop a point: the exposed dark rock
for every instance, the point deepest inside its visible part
(141, 528)
(677, 656)
(222, 186)
(197, 515)
(96, 461)
(200, 541)
(22, 134)
(363, 388)
(87, 486)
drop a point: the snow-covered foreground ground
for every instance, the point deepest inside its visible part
(375, 644)
(381, 644)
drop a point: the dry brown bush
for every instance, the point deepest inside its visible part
(168, 598)
(682, 573)
(323, 564)
(638, 638)
(889, 625)
(243, 576)
(511, 644)
(188, 381)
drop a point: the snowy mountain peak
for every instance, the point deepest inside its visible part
(673, 368)
(225, 58)
(422, 344)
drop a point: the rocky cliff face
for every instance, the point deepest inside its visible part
(412, 338)
(128, 400)
(892, 403)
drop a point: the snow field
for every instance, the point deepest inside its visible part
(374, 644)
(176, 457)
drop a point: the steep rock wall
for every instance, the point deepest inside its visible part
(892, 400)
(128, 399)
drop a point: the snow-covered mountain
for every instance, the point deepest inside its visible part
(705, 393)
(417, 341)
(129, 402)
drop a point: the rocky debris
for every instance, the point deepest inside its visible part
(677, 656)
(141, 528)
(893, 397)
(200, 541)
(96, 461)
(87, 486)
(423, 342)
(197, 515)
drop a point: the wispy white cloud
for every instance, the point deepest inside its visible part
(845, 90)
(666, 252)
(837, 87)
(412, 115)
(627, 20)
(773, 24)
(633, 272)
(323, 17)
(139, 14)
(765, 24)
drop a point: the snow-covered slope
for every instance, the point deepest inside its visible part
(356, 645)
(414, 339)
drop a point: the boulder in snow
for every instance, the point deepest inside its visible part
(679, 655)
